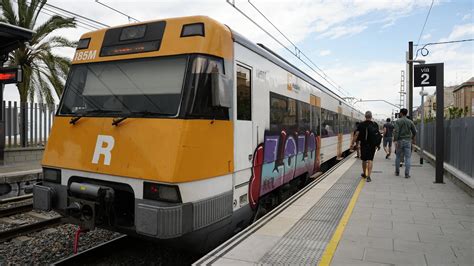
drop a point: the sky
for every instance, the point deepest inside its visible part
(359, 44)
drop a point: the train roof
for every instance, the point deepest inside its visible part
(267, 53)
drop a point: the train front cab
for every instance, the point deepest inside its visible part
(142, 142)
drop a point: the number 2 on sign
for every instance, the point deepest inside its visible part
(425, 78)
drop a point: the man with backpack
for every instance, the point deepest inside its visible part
(387, 138)
(403, 135)
(369, 136)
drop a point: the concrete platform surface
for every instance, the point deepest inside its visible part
(394, 221)
(399, 221)
(20, 172)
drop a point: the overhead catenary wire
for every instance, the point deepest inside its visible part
(424, 24)
(81, 21)
(79, 16)
(283, 45)
(435, 43)
(118, 11)
(297, 50)
(51, 14)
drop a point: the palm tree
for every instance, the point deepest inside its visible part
(43, 71)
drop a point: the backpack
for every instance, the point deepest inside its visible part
(372, 134)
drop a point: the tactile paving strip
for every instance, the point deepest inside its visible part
(305, 242)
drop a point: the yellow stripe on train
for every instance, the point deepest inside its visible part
(166, 150)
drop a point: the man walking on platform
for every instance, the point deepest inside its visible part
(404, 136)
(369, 136)
(387, 138)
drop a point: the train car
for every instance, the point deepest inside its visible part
(183, 130)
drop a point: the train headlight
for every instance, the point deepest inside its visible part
(161, 192)
(52, 175)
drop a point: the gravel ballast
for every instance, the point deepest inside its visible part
(49, 245)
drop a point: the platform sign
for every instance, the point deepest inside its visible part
(10, 75)
(424, 75)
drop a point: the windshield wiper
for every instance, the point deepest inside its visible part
(118, 120)
(79, 115)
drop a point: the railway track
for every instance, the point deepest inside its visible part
(29, 228)
(20, 204)
(88, 255)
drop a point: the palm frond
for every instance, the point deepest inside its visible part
(40, 6)
(50, 25)
(8, 14)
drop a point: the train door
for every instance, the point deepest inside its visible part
(243, 133)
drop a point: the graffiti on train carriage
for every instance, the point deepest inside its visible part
(281, 157)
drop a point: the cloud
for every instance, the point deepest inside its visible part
(324, 52)
(467, 16)
(426, 36)
(342, 31)
(460, 31)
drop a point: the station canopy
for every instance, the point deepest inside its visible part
(11, 37)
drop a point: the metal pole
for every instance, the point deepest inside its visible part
(439, 122)
(422, 123)
(410, 79)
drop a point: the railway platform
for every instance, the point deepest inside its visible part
(339, 219)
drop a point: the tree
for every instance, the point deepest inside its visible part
(44, 73)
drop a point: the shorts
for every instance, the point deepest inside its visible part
(367, 152)
(387, 141)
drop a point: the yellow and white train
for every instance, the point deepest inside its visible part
(182, 129)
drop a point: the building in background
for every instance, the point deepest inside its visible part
(464, 96)
(430, 103)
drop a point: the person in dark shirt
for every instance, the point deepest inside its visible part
(387, 138)
(367, 149)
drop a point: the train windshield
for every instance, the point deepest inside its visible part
(151, 85)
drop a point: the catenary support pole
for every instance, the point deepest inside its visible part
(439, 122)
(422, 127)
(410, 79)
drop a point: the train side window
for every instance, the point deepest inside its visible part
(244, 94)
(315, 116)
(304, 116)
(283, 113)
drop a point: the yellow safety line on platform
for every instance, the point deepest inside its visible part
(336, 237)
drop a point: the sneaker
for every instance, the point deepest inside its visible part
(368, 179)
(362, 175)
(397, 174)
(407, 176)
(388, 155)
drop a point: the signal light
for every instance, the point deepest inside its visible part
(161, 192)
(11, 75)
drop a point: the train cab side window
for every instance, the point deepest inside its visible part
(198, 102)
(244, 93)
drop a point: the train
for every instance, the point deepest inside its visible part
(182, 130)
